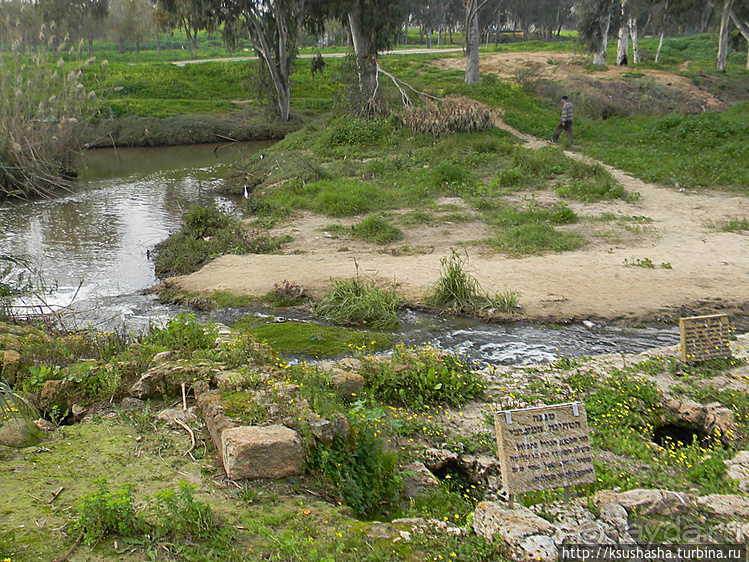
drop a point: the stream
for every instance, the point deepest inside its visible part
(93, 244)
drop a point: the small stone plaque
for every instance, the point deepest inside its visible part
(547, 447)
(705, 337)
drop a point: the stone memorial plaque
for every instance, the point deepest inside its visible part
(705, 337)
(546, 447)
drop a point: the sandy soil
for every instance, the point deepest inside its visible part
(709, 269)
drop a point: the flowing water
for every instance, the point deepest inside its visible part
(94, 243)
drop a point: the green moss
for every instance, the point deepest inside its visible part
(302, 338)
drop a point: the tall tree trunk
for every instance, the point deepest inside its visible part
(429, 38)
(599, 57)
(90, 45)
(366, 57)
(622, 46)
(725, 19)
(276, 57)
(660, 46)
(439, 36)
(472, 41)
(635, 35)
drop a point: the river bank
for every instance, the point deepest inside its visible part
(187, 129)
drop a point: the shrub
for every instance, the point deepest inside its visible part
(365, 474)
(377, 229)
(360, 303)
(417, 377)
(183, 333)
(103, 513)
(207, 232)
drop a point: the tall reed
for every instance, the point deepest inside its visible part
(42, 101)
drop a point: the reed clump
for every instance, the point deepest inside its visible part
(42, 101)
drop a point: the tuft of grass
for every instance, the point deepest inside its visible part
(457, 291)
(358, 302)
(735, 225)
(377, 229)
(535, 239)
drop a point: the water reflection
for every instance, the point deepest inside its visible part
(94, 241)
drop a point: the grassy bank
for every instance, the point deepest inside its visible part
(163, 497)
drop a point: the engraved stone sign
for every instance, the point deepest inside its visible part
(546, 447)
(705, 337)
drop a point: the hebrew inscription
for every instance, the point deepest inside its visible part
(705, 337)
(547, 447)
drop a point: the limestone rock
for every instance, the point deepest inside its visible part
(130, 404)
(326, 430)
(512, 525)
(261, 452)
(349, 384)
(738, 469)
(55, 393)
(437, 459)
(420, 482)
(216, 421)
(11, 361)
(19, 433)
(171, 414)
(162, 357)
(164, 379)
(728, 505)
(653, 502)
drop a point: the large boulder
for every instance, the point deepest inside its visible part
(273, 451)
(165, 378)
(19, 433)
(419, 480)
(664, 503)
(514, 525)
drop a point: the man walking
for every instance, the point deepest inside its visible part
(565, 123)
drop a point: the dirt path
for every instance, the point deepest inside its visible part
(696, 268)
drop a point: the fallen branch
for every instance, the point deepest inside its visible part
(55, 494)
(184, 398)
(70, 550)
(184, 426)
(401, 85)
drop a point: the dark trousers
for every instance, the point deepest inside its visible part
(563, 126)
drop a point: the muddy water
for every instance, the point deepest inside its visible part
(94, 243)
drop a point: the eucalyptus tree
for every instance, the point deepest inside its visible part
(193, 16)
(472, 39)
(594, 21)
(81, 19)
(273, 27)
(374, 25)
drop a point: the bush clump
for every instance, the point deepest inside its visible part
(417, 377)
(377, 229)
(207, 232)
